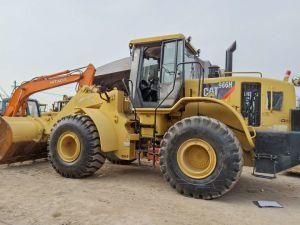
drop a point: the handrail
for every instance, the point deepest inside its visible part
(252, 130)
(244, 72)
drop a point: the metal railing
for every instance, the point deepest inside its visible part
(245, 73)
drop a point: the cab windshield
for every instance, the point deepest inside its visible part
(161, 69)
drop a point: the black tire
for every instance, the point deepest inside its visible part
(110, 156)
(228, 154)
(90, 158)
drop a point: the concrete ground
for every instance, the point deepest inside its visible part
(36, 194)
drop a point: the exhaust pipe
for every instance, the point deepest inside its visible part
(228, 62)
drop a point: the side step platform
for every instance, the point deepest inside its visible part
(275, 152)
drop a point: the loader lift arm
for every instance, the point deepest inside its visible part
(17, 104)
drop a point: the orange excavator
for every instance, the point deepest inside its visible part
(17, 104)
(23, 136)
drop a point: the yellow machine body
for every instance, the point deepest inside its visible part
(22, 138)
(114, 117)
(113, 120)
(202, 125)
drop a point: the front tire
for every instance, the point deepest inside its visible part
(74, 147)
(201, 157)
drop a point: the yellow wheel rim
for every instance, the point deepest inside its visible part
(68, 146)
(196, 158)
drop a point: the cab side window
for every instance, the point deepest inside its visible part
(191, 70)
(171, 77)
(169, 62)
(277, 99)
(149, 77)
(151, 61)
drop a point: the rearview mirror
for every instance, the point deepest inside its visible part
(296, 81)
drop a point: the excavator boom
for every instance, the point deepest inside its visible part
(17, 103)
(21, 137)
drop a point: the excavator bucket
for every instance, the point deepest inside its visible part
(21, 139)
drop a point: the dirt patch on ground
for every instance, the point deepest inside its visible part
(33, 193)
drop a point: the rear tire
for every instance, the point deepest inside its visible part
(74, 147)
(225, 163)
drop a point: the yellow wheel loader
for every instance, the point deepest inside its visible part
(202, 124)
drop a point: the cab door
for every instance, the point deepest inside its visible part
(170, 89)
(153, 79)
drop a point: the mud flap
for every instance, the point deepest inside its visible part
(275, 152)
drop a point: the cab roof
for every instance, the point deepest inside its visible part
(149, 40)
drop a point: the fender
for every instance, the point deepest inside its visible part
(223, 112)
(105, 127)
(214, 108)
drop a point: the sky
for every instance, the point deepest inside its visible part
(42, 37)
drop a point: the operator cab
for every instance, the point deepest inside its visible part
(59, 105)
(32, 108)
(159, 68)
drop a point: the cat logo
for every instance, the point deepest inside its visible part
(220, 90)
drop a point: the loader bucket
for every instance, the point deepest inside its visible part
(21, 139)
